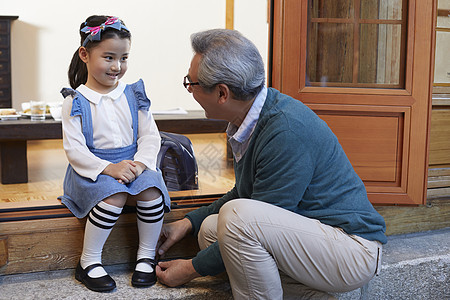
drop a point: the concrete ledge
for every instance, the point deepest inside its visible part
(61, 284)
(414, 266)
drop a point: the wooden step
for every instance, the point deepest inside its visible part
(54, 241)
(50, 238)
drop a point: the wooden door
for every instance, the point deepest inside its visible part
(364, 66)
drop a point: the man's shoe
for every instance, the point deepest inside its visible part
(144, 279)
(100, 284)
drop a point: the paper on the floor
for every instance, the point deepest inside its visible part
(173, 111)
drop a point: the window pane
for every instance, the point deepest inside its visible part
(331, 9)
(443, 22)
(330, 53)
(380, 54)
(443, 15)
(442, 62)
(381, 9)
(362, 50)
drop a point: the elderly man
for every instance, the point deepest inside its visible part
(297, 208)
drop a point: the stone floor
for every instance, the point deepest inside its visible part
(415, 266)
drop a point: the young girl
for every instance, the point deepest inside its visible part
(111, 142)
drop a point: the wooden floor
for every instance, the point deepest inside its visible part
(47, 164)
(46, 167)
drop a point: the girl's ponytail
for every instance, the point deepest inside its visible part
(77, 71)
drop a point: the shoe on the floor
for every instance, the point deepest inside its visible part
(144, 279)
(100, 284)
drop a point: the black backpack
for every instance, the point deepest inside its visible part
(177, 162)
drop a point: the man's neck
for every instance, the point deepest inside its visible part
(239, 111)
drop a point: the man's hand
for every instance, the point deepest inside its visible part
(172, 233)
(176, 272)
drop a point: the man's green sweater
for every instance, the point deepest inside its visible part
(294, 161)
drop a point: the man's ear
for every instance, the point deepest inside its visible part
(83, 54)
(224, 93)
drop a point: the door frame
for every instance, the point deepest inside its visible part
(288, 35)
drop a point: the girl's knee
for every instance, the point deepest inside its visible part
(153, 193)
(117, 200)
(149, 194)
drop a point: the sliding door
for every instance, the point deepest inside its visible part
(364, 66)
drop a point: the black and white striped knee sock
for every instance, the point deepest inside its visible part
(101, 220)
(150, 215)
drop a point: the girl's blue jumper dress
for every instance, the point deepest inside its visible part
(81, 194)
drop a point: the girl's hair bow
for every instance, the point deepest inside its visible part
(95, 32)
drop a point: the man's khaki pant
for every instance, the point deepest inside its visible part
(258, 241)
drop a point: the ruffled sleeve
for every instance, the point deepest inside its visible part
(139, 91)
(76, 107)
(68, 92)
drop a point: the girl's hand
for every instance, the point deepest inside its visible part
(123, 171)
(140, 167)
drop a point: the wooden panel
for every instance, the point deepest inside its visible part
(439, 159)
(371, 144)
(3, 250)
(438, 193)
(439, 181)
(406, 219)
(373, 139)
(440, 136)
(442, 170)
(229, 15)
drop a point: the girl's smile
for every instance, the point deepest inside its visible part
(106, 63)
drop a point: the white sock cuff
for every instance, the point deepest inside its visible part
(109, 207)
(150, 203)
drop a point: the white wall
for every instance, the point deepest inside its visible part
(45, 37)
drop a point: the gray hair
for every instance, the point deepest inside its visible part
(229, 58)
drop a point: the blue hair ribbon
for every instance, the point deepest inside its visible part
(95, 32)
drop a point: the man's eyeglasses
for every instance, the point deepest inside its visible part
(187, 83)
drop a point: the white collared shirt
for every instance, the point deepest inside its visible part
(239, 137)
(112, 128)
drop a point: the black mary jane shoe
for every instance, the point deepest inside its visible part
(100, 284)
(144, 279)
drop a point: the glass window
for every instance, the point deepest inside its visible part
(355, 43)
(381, 9)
